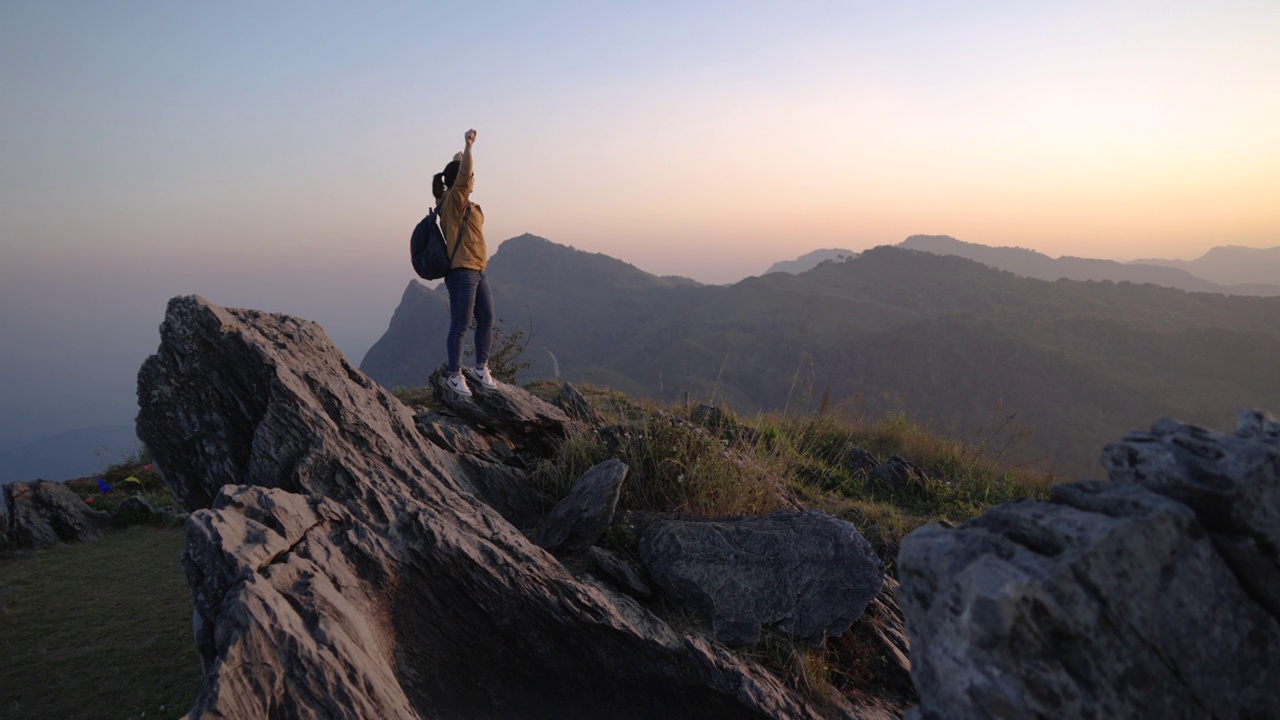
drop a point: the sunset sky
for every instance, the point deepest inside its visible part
(278, 154)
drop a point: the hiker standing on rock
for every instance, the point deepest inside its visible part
(469, 294)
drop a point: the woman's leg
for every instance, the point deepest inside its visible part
(462, 299)
(484, 321)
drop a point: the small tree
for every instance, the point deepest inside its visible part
(504, 353)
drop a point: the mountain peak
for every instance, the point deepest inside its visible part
(810, 260)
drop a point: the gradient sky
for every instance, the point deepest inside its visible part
(277, 154)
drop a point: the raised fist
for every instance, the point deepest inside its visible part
(470, 136)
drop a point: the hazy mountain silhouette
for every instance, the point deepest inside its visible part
(810, 260)
(1231, 265)
(50, 459)
(942, 338)
(1032, 264)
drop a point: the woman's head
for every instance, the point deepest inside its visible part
(442, 181)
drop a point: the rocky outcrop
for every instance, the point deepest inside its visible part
(345, 564)
(575, 405)
(515, 414)
(898, 473)
(1153, 595)
(578, 521)
(805, 574)
(41, 513)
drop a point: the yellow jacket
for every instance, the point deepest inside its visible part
(473, 254)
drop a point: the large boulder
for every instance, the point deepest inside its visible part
(41, 513)
(805, 574)
(342, 565)
(1152, 595)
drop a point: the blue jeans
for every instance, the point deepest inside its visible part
(468, 296)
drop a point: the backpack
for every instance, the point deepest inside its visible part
(427, 249)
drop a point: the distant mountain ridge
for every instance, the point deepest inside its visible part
(1169, 273)
(810, 260)
(1231, 265)
(946, 339)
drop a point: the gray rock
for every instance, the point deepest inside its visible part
(493, 463)
(1152, 595)
(898, 473)
(133, 510)
(572, 402)
(860, 462)
(42, 513)
(621, 572)
(461, 437)
(888, 629)
(578, 521)
(805, 574)
(506, 410)
(343, 567)
(712, 417)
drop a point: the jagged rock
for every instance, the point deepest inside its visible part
(1151, 595)
(460, 437)
(508, 410)
(41, 513)
(804, 573)
(860, 462)
(712, 417)
(898, 473)
(876, 655)
(886, 623)
(575, 405)
(723, 423)
(621, 572)
(578, 521)
(345, 568)
(497, 470)
(133, 510)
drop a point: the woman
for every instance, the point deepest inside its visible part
(469, 294)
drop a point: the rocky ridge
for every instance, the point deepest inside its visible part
(1156, 594)
(348, 559)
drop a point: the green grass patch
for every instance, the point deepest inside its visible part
(98, 630)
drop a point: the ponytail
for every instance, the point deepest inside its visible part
(444, 179)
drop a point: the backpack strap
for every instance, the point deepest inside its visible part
(458, 243)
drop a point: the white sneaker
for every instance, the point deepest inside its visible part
(486, 379)
(458, 384)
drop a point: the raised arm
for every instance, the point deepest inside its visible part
(465, 178)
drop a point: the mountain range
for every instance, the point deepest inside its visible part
(1226, 269)
(39, 451)
(810, 259)
(945, 340)
(1231, 265)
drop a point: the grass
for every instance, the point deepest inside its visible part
(690, 461)
(705, 462)
(97, 630)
